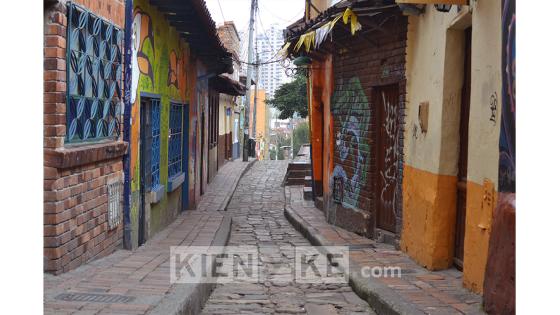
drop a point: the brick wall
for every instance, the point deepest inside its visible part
(361, 63)
(76, 229)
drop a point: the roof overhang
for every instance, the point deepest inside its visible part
(194, 23)
(225, 85)
(366, 12)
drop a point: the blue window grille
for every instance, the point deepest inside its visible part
(155, 116)
(94, 73)
(175, 153)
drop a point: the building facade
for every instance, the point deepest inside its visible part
(271, 74)
(230, 98)
(356, 96)
(410, 142)
(125, 96)
(259, 125)
(83, 145)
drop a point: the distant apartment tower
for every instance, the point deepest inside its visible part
(271, 74)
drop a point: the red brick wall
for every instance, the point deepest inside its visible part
(75, 177)
(376, 58)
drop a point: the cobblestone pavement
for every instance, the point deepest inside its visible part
(257, 211)
(429, 292)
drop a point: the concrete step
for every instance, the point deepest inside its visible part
(307, 193)
(308, 181)
(299, 166)
(292, 181)
(299, 173)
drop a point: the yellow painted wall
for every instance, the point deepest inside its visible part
(261, 112)
(483, 139)
(434, 72)
(262, 121)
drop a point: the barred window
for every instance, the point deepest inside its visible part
(175, 153)
(155, 119)
(94, 73)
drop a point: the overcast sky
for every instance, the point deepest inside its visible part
(283, 12)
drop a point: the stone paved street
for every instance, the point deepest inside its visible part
(257, 210)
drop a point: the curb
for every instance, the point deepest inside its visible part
(189, 298)
(382, 299)
(225, 203)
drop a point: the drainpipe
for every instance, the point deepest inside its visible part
(127, 242)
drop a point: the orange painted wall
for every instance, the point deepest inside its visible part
(429, 223)
(316, 119)
(429, 217)
(481, 200)
(328, 123)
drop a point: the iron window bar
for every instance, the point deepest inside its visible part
(156, 139)
(175, 154)
(94, 72)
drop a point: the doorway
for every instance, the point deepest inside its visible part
(185, 160)
(463, 155)
(386, 104)
(149, 164)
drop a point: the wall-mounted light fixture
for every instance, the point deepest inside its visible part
(303, 65)
(302, 61)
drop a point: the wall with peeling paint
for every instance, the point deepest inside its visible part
(435, 54)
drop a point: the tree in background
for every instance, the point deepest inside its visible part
(291, 98)
(301, 136)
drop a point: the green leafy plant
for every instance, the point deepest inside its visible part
(291, 98)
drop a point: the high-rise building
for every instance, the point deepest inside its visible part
(271, 74)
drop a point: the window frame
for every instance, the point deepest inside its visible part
(176, 159)
(94, 76)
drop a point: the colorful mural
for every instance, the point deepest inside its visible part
(159, 67)
(507, 132)
(352, 110)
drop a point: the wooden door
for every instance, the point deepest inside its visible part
(463, 156)
(386, 146)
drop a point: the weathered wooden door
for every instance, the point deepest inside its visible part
(386, 104)
(463, 156)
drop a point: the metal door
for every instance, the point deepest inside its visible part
(185, 161)
(463, 156)
(145, 164)
(386, 104)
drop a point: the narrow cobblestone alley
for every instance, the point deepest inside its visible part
(257, 219)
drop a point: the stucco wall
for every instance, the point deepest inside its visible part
(434, 72)
(159, 67)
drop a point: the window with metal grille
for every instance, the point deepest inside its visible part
(155, 115)
(94, 73)
(114, 209)
(175, 153)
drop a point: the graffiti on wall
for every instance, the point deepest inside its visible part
(389, 175)
(159, 67)
(493, 107)
(352, 110)
(507, 128)
(142, 38)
